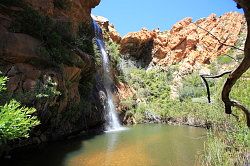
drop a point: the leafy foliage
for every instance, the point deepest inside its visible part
(193, 87)
(152, 89)
(15, 120)
(48, 89)
(113, 51)
(224, 60)
(228, 137)
(3, 83)
(241, 90)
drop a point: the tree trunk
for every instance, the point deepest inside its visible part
(242, 68)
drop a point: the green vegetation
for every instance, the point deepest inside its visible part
(114, 53)
(188, 91)
(47, 89)
(48, 31)
(228, 138)
(152, 91)
(224, 59)
(15, 120)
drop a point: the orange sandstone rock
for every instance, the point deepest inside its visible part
(109, 28)
(186, 40)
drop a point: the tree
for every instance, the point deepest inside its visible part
(242, 68)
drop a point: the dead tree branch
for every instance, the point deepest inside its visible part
(222, 43)
(204, 76)
(244, 109)
(237, 73)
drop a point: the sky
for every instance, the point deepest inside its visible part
(133, 15)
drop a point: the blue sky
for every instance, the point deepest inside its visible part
(132, 15)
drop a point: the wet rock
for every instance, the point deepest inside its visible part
(151, 117)
(108, 28)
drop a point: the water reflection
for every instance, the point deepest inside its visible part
(112, 141)
(142, 145)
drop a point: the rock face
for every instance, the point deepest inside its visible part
(77, 10)
(192, 42)
(138, 44)
(67, 97)
(108, 28)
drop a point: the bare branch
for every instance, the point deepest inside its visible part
(231, 103)
(222, 43)
(204, 76)
(243, 108)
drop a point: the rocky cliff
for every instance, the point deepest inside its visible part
(189, 45)
(46, 51)
(190, 42)
(108, 29)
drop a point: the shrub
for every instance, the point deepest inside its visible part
(15, 120)
(192, 87)
(48, 89)
(224, 60)
(114, 53)
(228, 137)
(3, 83)
(241, 90)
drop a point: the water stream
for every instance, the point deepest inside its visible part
(112, 121)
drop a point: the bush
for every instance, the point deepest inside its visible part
(192, 87)
(114, 53)
(48, 89)
(224, 60)
(241, 90)
(228, 138)
(15, 120)
(3, 83)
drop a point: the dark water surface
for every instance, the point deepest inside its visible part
(141, 145)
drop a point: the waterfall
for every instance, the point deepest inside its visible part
(112, 122)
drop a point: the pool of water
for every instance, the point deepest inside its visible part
(141, 145)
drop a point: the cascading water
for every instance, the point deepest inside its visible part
(112, 121)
